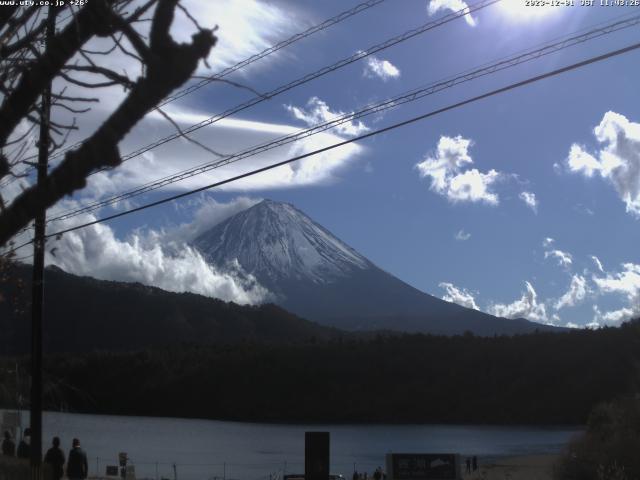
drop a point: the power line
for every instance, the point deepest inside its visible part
(387, 104)
(258, 56)
(424, 116)
(311, 76)
(298, 36)
(243, 63)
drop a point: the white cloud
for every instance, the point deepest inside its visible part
(594, 325)
(618, 161)
(581, 161)
(153, 257)
(614, 317)
(383, 69)
(625, 283)
(445, 168)
(530, 200)
(564, 258)
(461, 296)
(577, 292)
(318, 112)
(453, 5)
(526, 307)
(208, 213)
(598, 263)
(572, 325)
(462, 236)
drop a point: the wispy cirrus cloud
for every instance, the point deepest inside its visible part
(244, 28)
(227, 136)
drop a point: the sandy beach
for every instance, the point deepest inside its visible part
(533, 467)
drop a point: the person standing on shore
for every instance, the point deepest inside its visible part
(8, 447)
(474, 462)
(468, 465)
(24, 447)
(377, 475)
(77, 466)
(55, 458)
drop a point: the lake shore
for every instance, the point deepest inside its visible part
(530, 467)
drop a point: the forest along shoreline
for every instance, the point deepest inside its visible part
(533, 379)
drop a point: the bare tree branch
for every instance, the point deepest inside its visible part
(110, 74)
(187, 137)
(94, 19)
(168, 66)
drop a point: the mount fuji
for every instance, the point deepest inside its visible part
(312, 273)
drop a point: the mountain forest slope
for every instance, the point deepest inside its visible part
(84, 314)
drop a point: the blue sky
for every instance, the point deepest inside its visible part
(500, 205)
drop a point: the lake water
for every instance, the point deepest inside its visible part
(205, 449)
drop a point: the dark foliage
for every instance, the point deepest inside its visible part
(530, 379)
(609, 448)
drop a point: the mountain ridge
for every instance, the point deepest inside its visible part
(314, 274)
(85, 314)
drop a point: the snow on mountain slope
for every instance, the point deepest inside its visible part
(275, 241)
(313, 274)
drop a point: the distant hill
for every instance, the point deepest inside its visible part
(317, 276)
(84, 314)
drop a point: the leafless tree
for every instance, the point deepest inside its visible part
(138, 29)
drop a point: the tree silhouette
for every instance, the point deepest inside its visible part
(26, 68)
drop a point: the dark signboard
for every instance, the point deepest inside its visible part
(316, 456)
(112, 471)
(423, 466)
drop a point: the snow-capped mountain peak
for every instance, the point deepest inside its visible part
(278, 242)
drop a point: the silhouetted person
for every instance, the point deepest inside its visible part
(468, 465)
(55, 458)
(475, 463)
(77, 466)
(8, 447)
(356, 476)
(24, 447)
(377, 475)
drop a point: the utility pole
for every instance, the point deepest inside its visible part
(37, 293)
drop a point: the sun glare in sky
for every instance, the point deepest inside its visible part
(523, 10)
